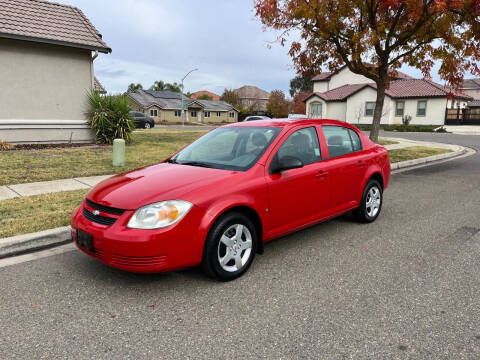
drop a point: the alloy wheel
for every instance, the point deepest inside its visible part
(235, 248)
(374, 200)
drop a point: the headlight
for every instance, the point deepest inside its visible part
(159, 215)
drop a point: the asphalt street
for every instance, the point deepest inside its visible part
(404, 287)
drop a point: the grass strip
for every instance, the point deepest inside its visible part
(36, 213)
(414, 152)
(384, 142)
(149, 147)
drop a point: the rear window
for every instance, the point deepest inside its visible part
(339, 140)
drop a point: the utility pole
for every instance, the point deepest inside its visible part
(181, 96)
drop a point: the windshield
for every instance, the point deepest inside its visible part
(229, 148)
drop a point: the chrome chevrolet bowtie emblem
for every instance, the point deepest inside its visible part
(96, 212)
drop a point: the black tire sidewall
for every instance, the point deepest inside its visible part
(210, 262)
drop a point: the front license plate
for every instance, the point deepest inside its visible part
(85, 240)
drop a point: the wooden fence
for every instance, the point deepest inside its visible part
(468, 116)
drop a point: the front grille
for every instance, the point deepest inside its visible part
(139, 261)
(98, 219)
(105, 209)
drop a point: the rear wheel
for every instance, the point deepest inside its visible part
(371, 203)
(230, 247)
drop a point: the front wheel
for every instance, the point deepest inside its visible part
(371, 203)
(147, 125)
(230, 247)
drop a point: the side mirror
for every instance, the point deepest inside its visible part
(287, 163)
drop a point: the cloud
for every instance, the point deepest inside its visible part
(163, 40)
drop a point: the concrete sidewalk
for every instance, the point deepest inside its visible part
(463, 129)
(48, 187)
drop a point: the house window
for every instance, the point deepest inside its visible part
(219, 114)
(421, 108)
(231, 115)
(154, 112)
(316, 110)
(369, 108)
(207, 114)
(399, 108)
(178, 113)
(193, 113)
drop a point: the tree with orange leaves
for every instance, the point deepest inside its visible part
(374, 38)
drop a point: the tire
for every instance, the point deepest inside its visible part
(225, 255)
(368, 212)
(147, 125)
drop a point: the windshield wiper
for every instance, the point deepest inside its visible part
(195, 163)
(172, 161)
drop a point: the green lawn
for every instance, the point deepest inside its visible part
(414, 152)
(386, 142)
(149, 147)
(37, 213)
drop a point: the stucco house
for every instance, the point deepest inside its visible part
(253, 98)
(471, 87)
(166, 106)
(47, 52)
(351, 97)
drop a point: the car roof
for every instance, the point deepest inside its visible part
(291, 122)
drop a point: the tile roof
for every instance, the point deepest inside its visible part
(474, 103)
(49, 22)
(414, 88)
(97, 86)
(252, 92)
(165, 101)
(341, 93)
(196, 94)
(324, 76)
(471, 84)
(399, 89)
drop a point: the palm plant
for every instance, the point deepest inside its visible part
(109, 117)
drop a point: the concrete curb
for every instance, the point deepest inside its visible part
(27, 243)
(457, 151)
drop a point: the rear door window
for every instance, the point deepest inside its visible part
(357, 143)
(339, 140)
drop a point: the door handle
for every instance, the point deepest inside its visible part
(321, 174)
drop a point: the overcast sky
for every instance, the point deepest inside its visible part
(164, 39)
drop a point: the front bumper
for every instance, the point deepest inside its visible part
(143, 251)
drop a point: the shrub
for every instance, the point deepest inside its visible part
(109, 117)
(6, 146)
(400, 128)
(406, 120)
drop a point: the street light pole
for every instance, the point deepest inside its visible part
(181, 96)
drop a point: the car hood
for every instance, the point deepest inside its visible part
(165, 181)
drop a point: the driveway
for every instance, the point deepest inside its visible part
(406, 286)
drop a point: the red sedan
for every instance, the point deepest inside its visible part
(218, 200)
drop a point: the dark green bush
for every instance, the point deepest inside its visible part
(400, 128)
(109, 117)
